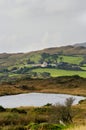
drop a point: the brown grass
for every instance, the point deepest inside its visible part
(68, 85)
(78, 128)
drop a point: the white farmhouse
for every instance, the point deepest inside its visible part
(45, 64)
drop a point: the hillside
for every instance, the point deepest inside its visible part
(21, 58)
(67, 50)
(46, 63)
(80, 44)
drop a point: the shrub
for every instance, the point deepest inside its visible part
(22, 111)
(2, 109)
(48, 104)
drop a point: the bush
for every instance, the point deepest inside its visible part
(48, 104)
(2, 109)
(22, 111)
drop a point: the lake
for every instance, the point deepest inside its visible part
(35, 99)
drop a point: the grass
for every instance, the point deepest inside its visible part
(78, 128)
(73, 59)
(66, 84)
(27, 118)
(59, 72)
(84, 68)
(37, 118)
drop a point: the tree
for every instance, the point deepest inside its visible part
(61, 112)
(68, 109)
(61, 59)
(69, 102)
(55, 57)
(45, 55)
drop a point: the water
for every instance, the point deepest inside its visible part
(35, 99)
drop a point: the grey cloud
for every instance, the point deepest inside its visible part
(27, 25)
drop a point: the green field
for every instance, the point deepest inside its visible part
(84, 68)
(58, 72)
(73, 59)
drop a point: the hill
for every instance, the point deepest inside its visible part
(69, 58)
(80, 44)
(66, 50)
(21, 58)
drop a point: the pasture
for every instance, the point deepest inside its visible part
(73, 59)
(59, 72)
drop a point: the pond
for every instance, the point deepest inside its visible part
(35, 99)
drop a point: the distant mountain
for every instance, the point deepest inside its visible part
(81, 44)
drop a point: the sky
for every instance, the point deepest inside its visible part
(28, 25)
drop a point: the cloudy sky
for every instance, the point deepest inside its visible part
(27, 25)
